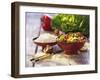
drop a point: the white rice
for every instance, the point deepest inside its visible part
(46, 38)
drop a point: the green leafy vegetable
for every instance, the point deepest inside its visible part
(71, 23)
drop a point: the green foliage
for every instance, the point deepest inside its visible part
(71, 23)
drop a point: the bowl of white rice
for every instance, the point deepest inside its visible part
(46, 39)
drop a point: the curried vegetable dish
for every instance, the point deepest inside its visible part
(71, 38)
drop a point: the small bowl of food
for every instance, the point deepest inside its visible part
(71, 43)
(46, 39)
